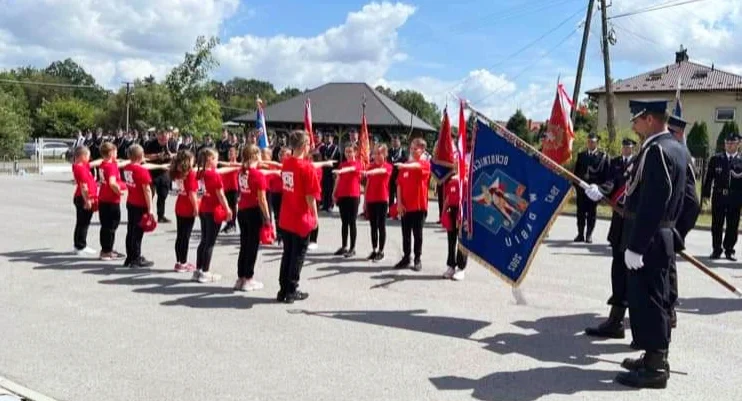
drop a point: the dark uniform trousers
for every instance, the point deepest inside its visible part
(591, 167)
(586, 213)
(653, 205)
(618, 265)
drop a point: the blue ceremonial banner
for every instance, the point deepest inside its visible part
(509, 205)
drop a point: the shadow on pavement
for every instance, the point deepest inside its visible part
(709, 306)
(602, 249)
(340, 270)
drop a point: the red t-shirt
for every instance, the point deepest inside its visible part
(451, 194)
(377, 185)
(275, 185)
(251, 181)
(136, 177)
(318, 177)
(211, 182)
(186, 186)
(230, 181)
(299, 181)
(81, 173)
(110, 169)
(349, 184)
(414, 185)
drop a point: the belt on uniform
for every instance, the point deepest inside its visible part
(722, 191)
(663, 223)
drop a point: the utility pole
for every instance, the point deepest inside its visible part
(128, 95)
(609, 100)
(581, 62)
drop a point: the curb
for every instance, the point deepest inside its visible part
(8, 387)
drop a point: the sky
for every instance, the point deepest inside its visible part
(500, 55)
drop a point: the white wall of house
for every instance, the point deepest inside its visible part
(697, 106)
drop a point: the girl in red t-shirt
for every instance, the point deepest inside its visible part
(456, 260)
(186, 207)
(275, 188)
(231, 190)
(347, 194)
(109, 208)
(253, 214)
(213, 204)
(377, 200)
(85, 199)
(138, 204)
(412, 204)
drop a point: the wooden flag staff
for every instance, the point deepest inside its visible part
(557, 168)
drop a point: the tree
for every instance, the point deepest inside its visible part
(518, 124)
(185, 81)
(63, 117)
(15, 126)
(698, 140)
(205, 115)
(730, 127)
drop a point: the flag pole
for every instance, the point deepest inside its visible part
(559, 169)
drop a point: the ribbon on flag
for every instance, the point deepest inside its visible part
(363, 145)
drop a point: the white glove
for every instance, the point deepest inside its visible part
(633, 260)
(593, 192)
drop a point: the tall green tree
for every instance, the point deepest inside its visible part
(186, 80)
(63, 117)
(206, 117)
(15, 125)
(518, 124)
(698, 140)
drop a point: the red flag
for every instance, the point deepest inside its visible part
(463, 153)
(559, 135)
(443, 155)
(363, 145)
(308, 122)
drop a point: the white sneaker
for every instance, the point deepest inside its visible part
(312, 246)
(449, 273)
(459, 275)
(86, 251)
(252, 285)
(208, 277)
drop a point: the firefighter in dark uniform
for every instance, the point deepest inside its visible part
(591, 167)
(328, 150)
(397, 154)
(614, 188)
(723, 184)
(689, 213)
(654, 200)
(160, 150)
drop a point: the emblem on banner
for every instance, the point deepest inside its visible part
(498, 201)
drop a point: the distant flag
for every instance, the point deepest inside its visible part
(442, 161)
(261, 127)
(559, 135)
(678, 110)
(364, 151)
(308, 122)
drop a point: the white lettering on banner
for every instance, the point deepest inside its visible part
(515, 262)
(553, 193)
(489, 160)
(288, 181)
(523, 234)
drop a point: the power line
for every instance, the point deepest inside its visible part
(654, 8)
(11, 81)
(522, 49)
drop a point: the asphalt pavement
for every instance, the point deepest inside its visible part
(79, 329)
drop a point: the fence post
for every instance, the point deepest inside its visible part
(41, 157)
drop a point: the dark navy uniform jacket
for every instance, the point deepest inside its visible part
(654, 199)
(613, 188)
(691, 203)
(723, 179)
(592, 167)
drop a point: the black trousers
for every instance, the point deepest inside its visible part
(184, 228)
(724, 209)
(586, 212)
(456, 258)
(328, 182)
(82, 223)
(276, 206)
(619, 278)
(348, 215)
(314, 235)
(393, 188)
(648, 293)
(377, 219)
(134, 233)
(292, 260)
(209, 232)
(161, 188)
(232, 196)
(110, 218)
(439, 196)
(250, 220)
(412, 225)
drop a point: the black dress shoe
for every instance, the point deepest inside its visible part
(715, 256)
(579, 238)
(589, 239)
(402, 264)
(643, 378)
(340, 252)
(295, 296)
(349, 254)
(638, 363)
(141, 263)
(730, 256)
(163, 219)
(612, 327)
(371, 256)
(281, 296)
(417, 266)
(634, 345)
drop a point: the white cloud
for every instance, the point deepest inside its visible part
(361, 49)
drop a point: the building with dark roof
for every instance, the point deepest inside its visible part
(706, 93)
(337, 108)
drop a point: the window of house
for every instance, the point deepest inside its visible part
(725, 113)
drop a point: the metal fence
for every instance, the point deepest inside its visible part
(35, 164)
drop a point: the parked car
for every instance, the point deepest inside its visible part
(51, 149)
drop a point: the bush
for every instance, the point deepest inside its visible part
(15, 125)
(698, 140)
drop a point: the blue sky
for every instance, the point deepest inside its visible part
(441, 49)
